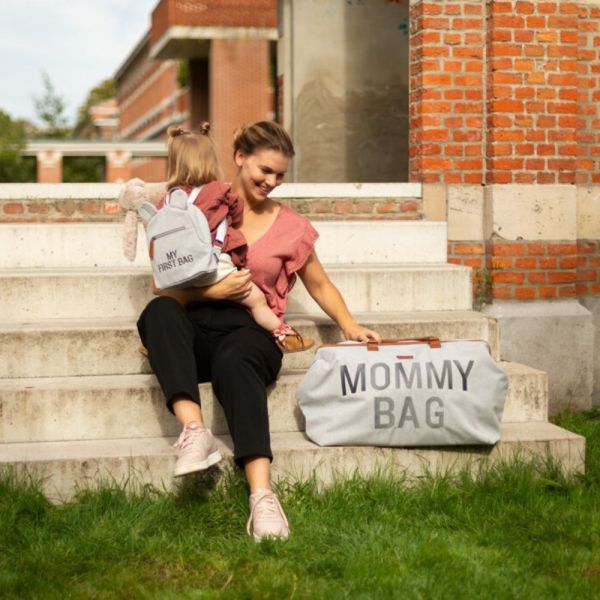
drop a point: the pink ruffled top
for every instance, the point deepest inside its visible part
(275, 257)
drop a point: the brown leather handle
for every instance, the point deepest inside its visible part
(431, 340)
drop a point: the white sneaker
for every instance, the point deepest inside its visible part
(197, 450)
(267, 518)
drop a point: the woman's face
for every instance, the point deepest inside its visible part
(261, 172)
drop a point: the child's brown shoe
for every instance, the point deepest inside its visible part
(289, 340)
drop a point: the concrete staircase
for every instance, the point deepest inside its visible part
(78, 402)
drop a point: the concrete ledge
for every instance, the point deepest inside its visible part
(556, 337)
(64, 191)
(93, 245)
(65, 467)
(61, 294)
(133, 406)
(66, 348)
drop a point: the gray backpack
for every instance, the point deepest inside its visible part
(179, 240)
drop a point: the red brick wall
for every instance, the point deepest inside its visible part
(48, 210)
(520, 106)
(239, 91)
(588, 268)
(145, 109)
(588, 88)
(446, 113)
(149, 169)
(532, 92)
(530, 270)
(221, 13)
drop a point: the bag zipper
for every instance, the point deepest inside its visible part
(159, 235)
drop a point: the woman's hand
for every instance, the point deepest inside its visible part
(236, 286)
(358, 333)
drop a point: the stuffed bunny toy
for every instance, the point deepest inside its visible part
(133, 194)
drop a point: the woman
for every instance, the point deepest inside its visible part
(191, 338)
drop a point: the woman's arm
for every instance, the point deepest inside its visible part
(236, 286)
(328, 297)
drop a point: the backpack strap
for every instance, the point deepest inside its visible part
(191, 197)
(221, 227)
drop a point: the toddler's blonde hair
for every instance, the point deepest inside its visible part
(191, 157)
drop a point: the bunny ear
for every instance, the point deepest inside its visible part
(146, 212)
(130, 233)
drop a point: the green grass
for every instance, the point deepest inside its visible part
(515, 532)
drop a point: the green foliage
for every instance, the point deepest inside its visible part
(13, 167)
(518, 530)
(183, 73)
(84, 169)
(84, 128)
(50, 110)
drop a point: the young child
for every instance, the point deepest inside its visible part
(192, 162)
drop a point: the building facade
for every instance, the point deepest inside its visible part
(208, 61)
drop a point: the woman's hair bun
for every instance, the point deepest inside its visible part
(239, 132)
(204, 127)
(175, 130)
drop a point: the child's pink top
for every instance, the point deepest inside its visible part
(275, 257)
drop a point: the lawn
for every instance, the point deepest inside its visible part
(518, 531)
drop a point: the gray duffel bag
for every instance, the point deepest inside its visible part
(420, 392)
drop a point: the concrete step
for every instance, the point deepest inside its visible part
(131, 406)
(65, 348)
(64, 467)
(123, 292)
(96, 245)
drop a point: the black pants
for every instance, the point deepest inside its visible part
(221, 343)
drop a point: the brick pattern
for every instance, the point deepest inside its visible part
(149, 169)
(588, 268)
(59, 211)
(588, 90)
(520, 106)
(532, 91)
(220, 13)
(473, 254)
(141, 113)
(470, 254)
(527, 270)
(524, 270)
(446, 113)
(349, 209)
(237, 64)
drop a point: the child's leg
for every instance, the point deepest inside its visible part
(260, 310)
(289, 339)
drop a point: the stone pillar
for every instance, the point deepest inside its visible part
(118, 166)
(49, 167)
(240, 91)
(344, 69)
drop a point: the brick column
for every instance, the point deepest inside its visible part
(49, 167)
(240, 91)
(446, 92)
(118, 166)
(532, 91)
(588, 89)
